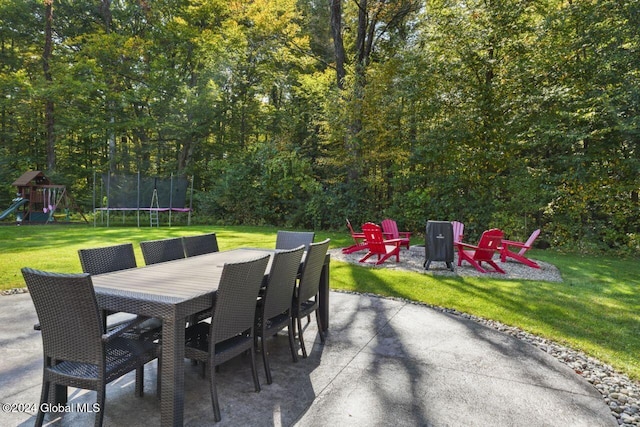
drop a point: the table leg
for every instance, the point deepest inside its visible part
(323, 295)
(172, 373)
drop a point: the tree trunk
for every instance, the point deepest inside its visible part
(338, 44)
(105, 11)
(49, 106)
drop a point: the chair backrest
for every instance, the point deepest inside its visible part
(235, 304)
(351, 230)
(155, 251)
(489, 243)
(311, 270)
(107, 259)
(374, 238)
(68, 314)
(390, 229)
(458, 231)
(293, 239)
(282, 281)
(200, 244)
(529, 242)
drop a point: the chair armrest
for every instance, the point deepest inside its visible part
(396, 242)
(506, 243)
(462, 245)
(405, 234)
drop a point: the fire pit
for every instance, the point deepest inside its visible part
(438, 243)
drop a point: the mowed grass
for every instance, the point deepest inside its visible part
(595, 309)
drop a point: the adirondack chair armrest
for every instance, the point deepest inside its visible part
(462, 245)
(507, 243)
(396, 242)
(404, 234)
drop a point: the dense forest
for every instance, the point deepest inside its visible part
(517, 114)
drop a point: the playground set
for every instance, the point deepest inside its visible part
(37, 200)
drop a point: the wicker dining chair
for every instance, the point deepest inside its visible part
(274, 308)
(107, 259)
(305, 300)
(200, 244)
(78, 352)
(155, 251)
(293, 239)
(231, 331)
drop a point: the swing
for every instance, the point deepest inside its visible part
(52, 196)
(44, 200)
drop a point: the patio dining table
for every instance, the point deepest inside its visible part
(173, 291)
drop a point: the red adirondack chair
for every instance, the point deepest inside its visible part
(390, 231)
(458, 231)
(358, 241)
(505, 252)
(489, 243)
(377, 245)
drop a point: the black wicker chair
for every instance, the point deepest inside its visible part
(274, 308)
(230, 332)
(77, 350)
(115, 258)
(293, 239)
(200, 244)
(155, 251)
(305, 300)
(107, 259)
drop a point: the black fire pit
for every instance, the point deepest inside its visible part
(438, 243)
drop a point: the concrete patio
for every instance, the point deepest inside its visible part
(385, 362)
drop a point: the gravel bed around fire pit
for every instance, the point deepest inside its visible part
(413, 260)
(620, 393)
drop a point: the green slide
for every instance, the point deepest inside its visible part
(14, 206)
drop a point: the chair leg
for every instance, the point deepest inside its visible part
(477, 266)
(158, 378)
(494, 265)
(214, 394)
(44, 396)
(101, 398)
(364, 258)
(265, 359)
(292, 345)
(254, 370)
(139, 381)
(304, 350)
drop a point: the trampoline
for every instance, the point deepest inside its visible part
(137, 193)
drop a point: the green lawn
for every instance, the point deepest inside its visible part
(596, 309)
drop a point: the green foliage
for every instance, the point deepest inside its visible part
(265, 186)
(514, 114)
